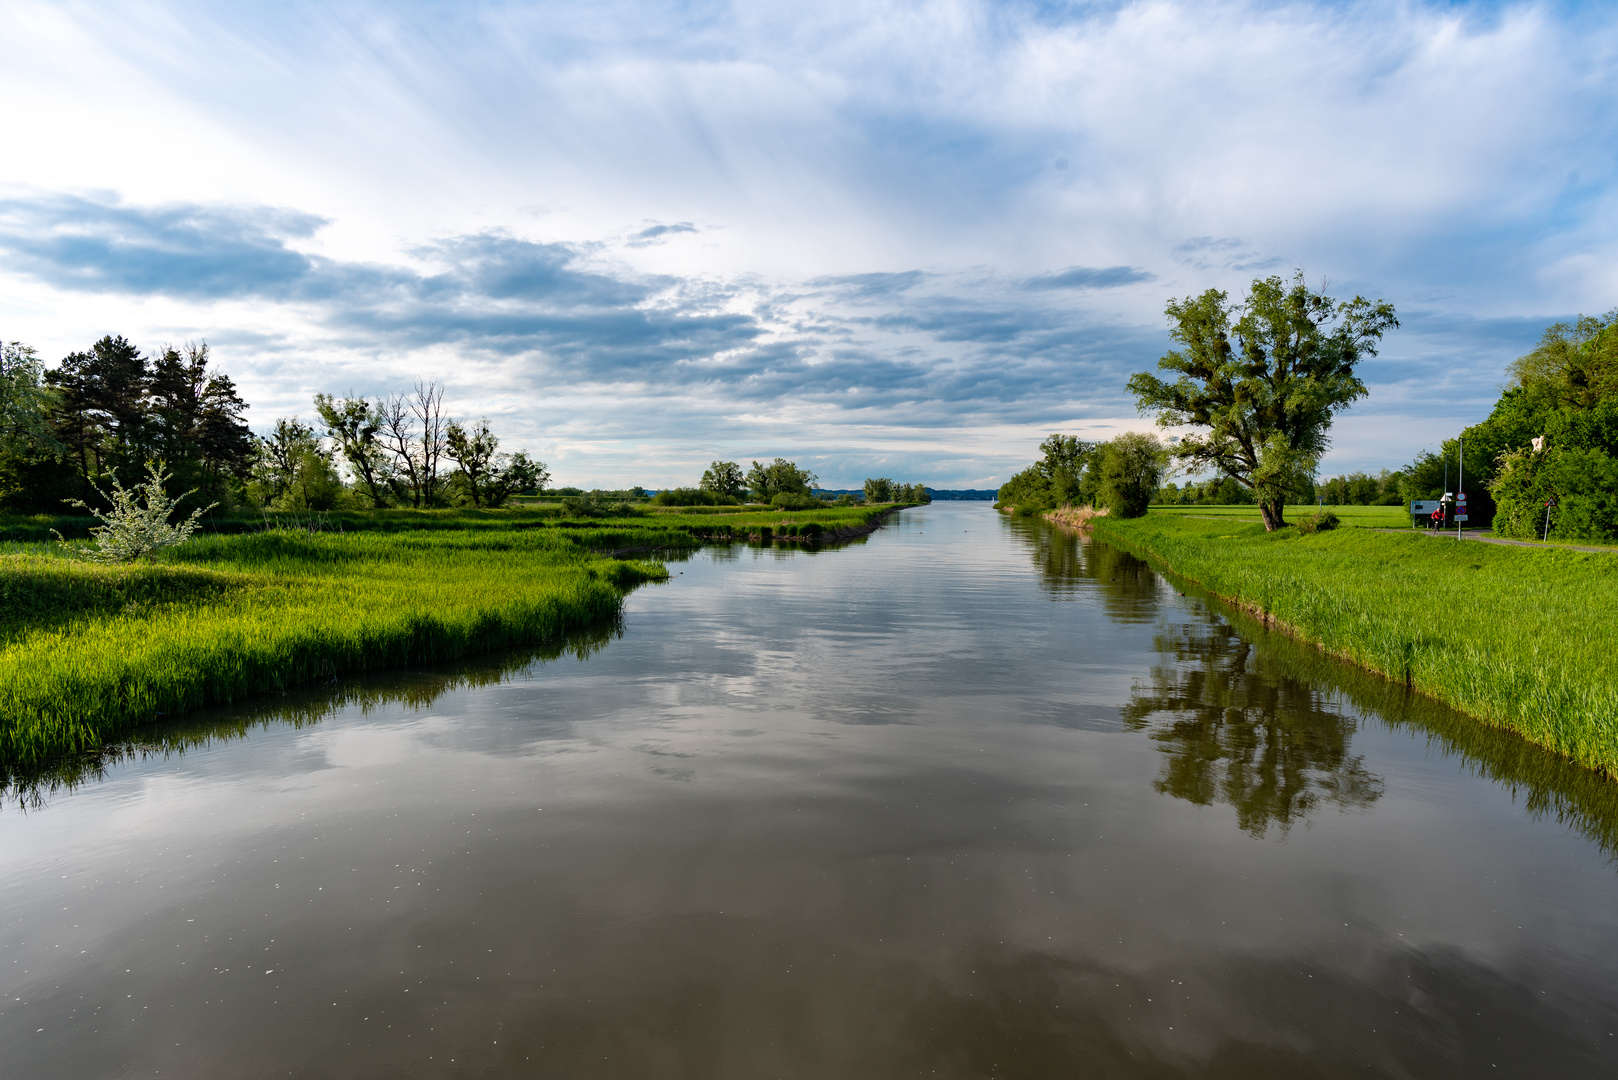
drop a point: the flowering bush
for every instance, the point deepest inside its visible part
(137, 526)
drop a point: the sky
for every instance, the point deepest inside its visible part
(880, 239)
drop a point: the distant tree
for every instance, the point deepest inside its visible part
(396, 435)
(1130, 468)
(27, 438)
(486, 476)
(473, 449)
(427, 406)
(352, 424)
(279, 456)
(1263, 379)
(102, 418)
(725, 478)
(198, 424)
(780, 476)
(878, 490)
(1063, 465)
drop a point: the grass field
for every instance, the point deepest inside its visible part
(1366, 517)
(1517, 637)
(88, 651)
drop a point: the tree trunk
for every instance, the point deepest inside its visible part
(1271, 512)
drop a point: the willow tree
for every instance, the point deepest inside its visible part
(1260, 381)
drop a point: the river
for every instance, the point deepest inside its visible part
(971, 798)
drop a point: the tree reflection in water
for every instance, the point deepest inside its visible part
(1260, 720)
(1237, 731)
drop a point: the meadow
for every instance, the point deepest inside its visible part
(1520, 638)
(89, 651)
(1365, 517)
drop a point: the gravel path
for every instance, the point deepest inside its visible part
(1488, 539)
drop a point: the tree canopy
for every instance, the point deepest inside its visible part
(1261, 381)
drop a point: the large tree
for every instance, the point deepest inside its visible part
(485, 476)
(725, 478)
(779, 477)
(353, 424)
(1261, 381)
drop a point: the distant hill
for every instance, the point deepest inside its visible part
(961, 494)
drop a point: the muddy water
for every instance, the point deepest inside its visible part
(972, 798)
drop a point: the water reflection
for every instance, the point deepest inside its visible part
(1254, 718)
(32, 789)
(695, 855)
(1238, 731)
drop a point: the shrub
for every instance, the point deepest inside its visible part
(1324, 521)
(792, 500)
(137, 526)
(685, 496)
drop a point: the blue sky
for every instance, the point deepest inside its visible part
(905, 239)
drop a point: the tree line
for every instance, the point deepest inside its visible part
(70, 432)
(782, 484)
(1121, 474)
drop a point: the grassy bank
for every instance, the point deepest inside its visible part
(701, 521)
(87, 651)
(1517, 637)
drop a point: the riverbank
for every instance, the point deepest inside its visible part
(87, 651)
(1519, 638)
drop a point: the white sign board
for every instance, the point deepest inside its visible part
(1424, 506)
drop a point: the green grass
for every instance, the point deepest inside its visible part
(702, 520)
(1517, 637)
(1365, 517)
(89, 651)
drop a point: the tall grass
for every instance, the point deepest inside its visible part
(1518, 637)
(89, 651)
(230, 616)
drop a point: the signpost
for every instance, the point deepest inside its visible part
(1460, 487)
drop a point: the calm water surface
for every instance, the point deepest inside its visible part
(973, 798)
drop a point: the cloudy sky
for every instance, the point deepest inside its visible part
(903, 239)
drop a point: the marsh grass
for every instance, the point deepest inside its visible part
(88, 651)
(1517, 637)
(31, 786)
(98, 650)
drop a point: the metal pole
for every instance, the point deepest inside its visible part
(1460, 483)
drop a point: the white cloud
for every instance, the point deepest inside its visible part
(1454, 160)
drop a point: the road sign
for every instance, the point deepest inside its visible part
(1460, 517)
(1424, 506)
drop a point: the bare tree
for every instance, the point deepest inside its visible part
(428, 409)
(396, 434)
